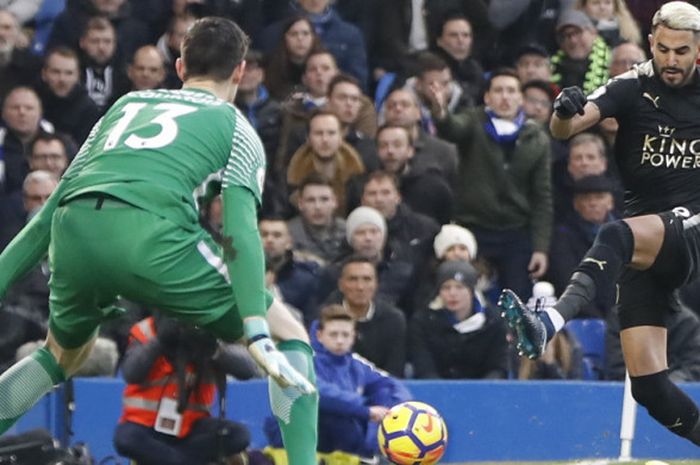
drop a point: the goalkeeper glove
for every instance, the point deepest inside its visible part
(275, 364)
(569, 102)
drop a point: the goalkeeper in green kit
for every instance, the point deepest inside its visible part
(123, 222)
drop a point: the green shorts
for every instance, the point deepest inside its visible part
(97, 254)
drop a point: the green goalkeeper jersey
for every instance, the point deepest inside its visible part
(154, 148)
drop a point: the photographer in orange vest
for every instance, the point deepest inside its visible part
(172, 371)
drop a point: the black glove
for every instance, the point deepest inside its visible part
(569, 102)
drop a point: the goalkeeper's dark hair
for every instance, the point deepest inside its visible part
(334, 312)
(213, 47)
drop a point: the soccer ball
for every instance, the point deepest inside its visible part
(412, 433)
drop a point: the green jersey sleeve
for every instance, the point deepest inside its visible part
(242, 184)
(246, 162)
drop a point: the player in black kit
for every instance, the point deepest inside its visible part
(656, 248)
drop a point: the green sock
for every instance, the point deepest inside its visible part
(297, 414)
(24, 383)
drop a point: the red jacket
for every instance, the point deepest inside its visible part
(141, 401)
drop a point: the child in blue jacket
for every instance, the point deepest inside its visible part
(354, 394)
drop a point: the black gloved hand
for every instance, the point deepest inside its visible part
(570, 101)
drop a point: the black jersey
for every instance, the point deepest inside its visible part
(657, 149)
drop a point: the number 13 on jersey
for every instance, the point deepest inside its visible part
(162, 114)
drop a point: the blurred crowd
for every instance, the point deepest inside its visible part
(410, 216)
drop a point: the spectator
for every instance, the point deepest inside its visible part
(325, 153)
(132, 32)
(409, 26)
(613, 20)
(399, 36)
(49, 152)
(296, 275)
(538, 97)
(354, 396)
(18, 66)
(317, 231)
(586, 157)
(505, 193)
(454, 45)
(521, 22)
(624, 56)
(342, 39)
(409, 233)
(319, 70)
(532, 63)
(583, 56)
(354, 110)
(65, 101)
(453, 242)
(426, 191)
(462, 337)
(169, 46)
(346, 100)
(433, 71)
(21, 122)
(683, 344)
(102, 69)
(401, 108)
(366, 234)
(146, 70)
(375, 317)
(171, 372)
(285, 64)
(593, 206)
(476, 11)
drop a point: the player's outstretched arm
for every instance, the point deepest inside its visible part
(245, 260)
(30, 245)
(572, 113)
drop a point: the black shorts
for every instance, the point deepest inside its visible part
(646, 298)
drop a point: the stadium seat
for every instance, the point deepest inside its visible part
(590, 333)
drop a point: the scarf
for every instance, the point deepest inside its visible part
(503, 131)
(597, 71)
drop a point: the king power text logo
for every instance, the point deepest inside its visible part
(664, 150)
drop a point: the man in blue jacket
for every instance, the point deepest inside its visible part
(354, 395)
